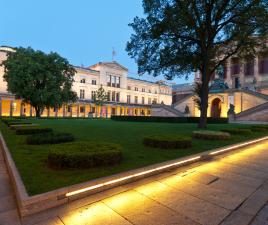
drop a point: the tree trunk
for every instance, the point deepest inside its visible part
(203, 108)
(37, 112)
(204, 99)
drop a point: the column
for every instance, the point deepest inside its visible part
(71, 111)
(48, 112)
(31, 111)
(228, 73)
(256, 70)
(78, 111)
(11, 108)
(21, 108)
(63, 110)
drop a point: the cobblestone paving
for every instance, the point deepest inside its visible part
(230, 190)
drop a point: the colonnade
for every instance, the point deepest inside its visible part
(16, 108)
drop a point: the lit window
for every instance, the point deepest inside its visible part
(82, 109)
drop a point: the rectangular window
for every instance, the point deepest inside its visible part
(235, 67)
(113, 81)
(93, 95)
(108, 96)
(94, 82)
(113, 96)
(128, 99)
(143, 90)
(249, 67)
(82, 94)
(108, 80)
(136, 99)
(93, 110)
(82, 109)
(83, 81)
(69, 109)
(128, 87)
(113, 111)
(118, 82)
(143, 100)
(149, 101)
(155, 101)
(118, 97)
(263, 65)
(136, 89)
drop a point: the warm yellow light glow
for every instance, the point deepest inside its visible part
(238, 146)
(130, 176)
(159, 168)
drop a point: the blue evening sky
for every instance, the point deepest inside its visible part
(83, 31)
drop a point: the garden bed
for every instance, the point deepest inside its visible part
(38, 177)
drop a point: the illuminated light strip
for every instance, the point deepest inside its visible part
(129, 177)
(238, 146)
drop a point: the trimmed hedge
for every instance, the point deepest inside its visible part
(84, 155)
(49, 138)
(10, 120)
(167, 141)
(167, 119)
(32, 130)
(258, 129)
(237, 131)
(211, 135)
(18, 123)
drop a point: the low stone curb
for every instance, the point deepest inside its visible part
(28, 205)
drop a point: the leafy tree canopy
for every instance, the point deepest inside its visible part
(43, 80)
(178, 37)
(100, 96)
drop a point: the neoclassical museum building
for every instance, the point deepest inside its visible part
(241, 82)
(126, 95)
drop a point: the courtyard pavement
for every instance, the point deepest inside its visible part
(229, 190)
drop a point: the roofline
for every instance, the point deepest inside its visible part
(102, 63)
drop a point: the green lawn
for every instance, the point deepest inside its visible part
(39, 178)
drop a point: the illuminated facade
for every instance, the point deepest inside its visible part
(242, 83)
(126, 96)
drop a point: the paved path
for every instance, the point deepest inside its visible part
(231, 190)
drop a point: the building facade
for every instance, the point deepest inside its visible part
(242, 83)
(126, 96)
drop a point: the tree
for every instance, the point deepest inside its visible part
(178, 37)
(100, 98)
(40, 79)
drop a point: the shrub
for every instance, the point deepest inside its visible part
(237, 131)
(167, 119)
(167, 141)
(11, 123)
(10, 120)
(258, 128)
(211, 135)
(49, 138)
(32, 130)
(84, 155)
